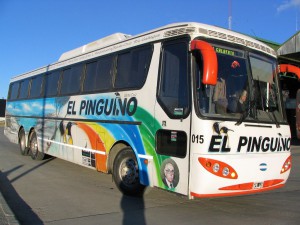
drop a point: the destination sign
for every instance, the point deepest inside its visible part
(224, 51)
(230, 52)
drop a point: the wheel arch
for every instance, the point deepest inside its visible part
(115, 149)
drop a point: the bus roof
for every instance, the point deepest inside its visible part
(120, 41)
(109, 40)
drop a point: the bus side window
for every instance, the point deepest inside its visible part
(51, 83)
(71, 79)
(132, 68)
(98, 75)
(173, 92)
(123, 74)
(14, 91)
(24, 85)
(36, 87)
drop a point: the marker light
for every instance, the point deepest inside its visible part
(233, 174)
(287, 165)
(218, 168)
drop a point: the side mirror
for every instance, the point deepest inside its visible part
(210, 61)
(286, 68)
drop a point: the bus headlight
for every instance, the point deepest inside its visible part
(225, 172)
(216, 167)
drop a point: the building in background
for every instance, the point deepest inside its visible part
(289, 54)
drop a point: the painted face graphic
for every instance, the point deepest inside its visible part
(169, 172)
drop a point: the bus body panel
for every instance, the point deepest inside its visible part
(255, 174)
(86, 143)
(255, 158)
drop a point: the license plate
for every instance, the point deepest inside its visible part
(258, 185)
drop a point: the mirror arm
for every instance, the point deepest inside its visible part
(210, 61)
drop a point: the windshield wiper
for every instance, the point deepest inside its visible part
(252, 105)
(267, 109)
(274, 119)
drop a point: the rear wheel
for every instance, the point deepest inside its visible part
(33, 148)
(22, 142)
(126, 173)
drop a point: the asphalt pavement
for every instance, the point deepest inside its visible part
(7, 216)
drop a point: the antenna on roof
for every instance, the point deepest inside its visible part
(229, 15)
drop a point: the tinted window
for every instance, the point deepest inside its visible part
(51, 83)
(36, 87)
(132, 68)
(14, 90)
(98, 75)
(71, 80)
(173, 92)
(24, 88)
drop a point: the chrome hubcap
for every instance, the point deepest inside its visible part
(33, 146)
(129, 172)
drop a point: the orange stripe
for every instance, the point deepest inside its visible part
(97, 144)
(249, 186)
(253, 191)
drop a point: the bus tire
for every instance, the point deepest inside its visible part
(22, 142)
(33, 147)
(126, 173)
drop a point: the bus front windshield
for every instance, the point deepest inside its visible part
(246, 89)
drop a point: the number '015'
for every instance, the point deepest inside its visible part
(198, 139)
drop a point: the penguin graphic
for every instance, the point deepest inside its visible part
(66, 133)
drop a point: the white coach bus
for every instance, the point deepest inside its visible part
(190, 108)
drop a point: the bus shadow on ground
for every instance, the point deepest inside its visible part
(22, 212)
(133, 210)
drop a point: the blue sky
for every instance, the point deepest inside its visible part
(34, 33)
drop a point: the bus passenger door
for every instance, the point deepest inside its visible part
(172, 111)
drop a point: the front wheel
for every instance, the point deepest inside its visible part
(33, 148)
(126, 173)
